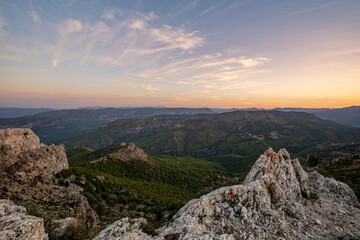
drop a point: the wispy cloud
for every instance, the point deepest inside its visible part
(183, 9)
(3, 23)
(344, 51)
(206, 11)
(110, 14)
(307, 10)
(216, 72)
(69, 3)
(13, 58)
(35, 17)
(150, 54)
(238, 4)
(151, 88)
(66, 31)
(122, 42)
(71, 25)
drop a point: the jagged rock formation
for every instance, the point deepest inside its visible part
(130, 152)
(16, 224)
(24, 159)
(278, 200)
(27, 169)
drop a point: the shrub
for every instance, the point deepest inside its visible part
(100, 209)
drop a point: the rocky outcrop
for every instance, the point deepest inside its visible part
(129, 152)
(27, 169)
(24, 159)
(16, 224)
(278, 200)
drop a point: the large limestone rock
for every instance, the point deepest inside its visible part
(24, 159)
(26, 171)
(278, 200)
(15, 224)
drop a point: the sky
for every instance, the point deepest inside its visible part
(202, 53)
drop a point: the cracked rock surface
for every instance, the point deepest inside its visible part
(278, 200)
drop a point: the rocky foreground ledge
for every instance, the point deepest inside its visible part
(278, 200)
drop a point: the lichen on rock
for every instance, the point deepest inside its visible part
(15, 224)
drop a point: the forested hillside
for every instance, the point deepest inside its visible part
(155, 188)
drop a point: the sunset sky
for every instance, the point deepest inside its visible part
(202, 53)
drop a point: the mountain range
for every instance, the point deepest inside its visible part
(54, 126)
(239, 135)
(348, 115)
(11, 112)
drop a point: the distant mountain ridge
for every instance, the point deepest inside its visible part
(347, 115)
(243, 133)
(54, 126)
(10, 112)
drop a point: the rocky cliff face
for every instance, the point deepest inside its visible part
(16, 224)
(27, 169)
(24, 159)
(278, 200)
